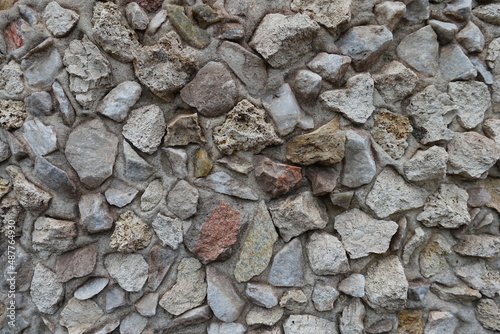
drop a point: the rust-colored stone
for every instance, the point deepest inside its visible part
(219, 232)
(12, 36)
(276, 178)
(410, 322)
(6, 4)
(150, 6)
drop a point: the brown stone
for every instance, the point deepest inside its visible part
(323, 179)
(324, 145)
(131, 233)
(13, 37)
(77, 263)
(493, 188)
(53, 235)
(6, 4)
(275, 178)
(410, 322)
(391, 132)
(203, 164)
(150, 6)
(183, 130)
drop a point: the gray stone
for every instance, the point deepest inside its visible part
(427, 165)
(488, 313)
(223, 183)
(160, 260)
(353, 285)
(471, 38)
(43, 70)
(412, 244)
(263, 316)
(417, 289)
(136, 16)
(355, 102)
(183, 130)
(145, 128)
(4, 151)
(420, 51)
(146, 306)
(472, 99)
(281, 39)
(190, 289)
(294, 300)
(131, 233)
(326, 254)
(440, 322)
(262, 294)
(461, 293)
(190, 33)
(77, 263)
(306, 84)
(91, 288)
(120, 193)
(294, 215)
(111, 31)
(41, 138)
(245, 129)
(129, 270)
(247, 66)
(471, 154)
(389, 13)
(365, 44)
(109, 327)
(53, 177)
(432, 258)
(178, 161)
(45, 291)
(395, 81)
(53, 235)
(91, 150)
(323, 297)
(234, 32)
(222, 297)
(459, 9)
(483, 245)
(156, 22)
(182, 200)
(236, 164)
(28, 194)
(195, 316)
(11, 79)
(455, 65)
(60, 21)
(386, 285)
(482, 71)
(168, 230)
(115, 298)
(333, 16)
(62, 101)
(359, 163)
(418, 11)
(136, 168)
(226, 328)
(489, 13)
(287, 268)
(212, 92)
(133, 324)
(39, 104)
(330, 67)
(478, 197)
(79, 316)
(95, 215)
(117, 103)
(152, 195)
(481, 277)
(445, 31)
(308, 324)
(491, 128)
(353, 315)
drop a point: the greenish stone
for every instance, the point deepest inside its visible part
(258, 247)
(203, 164)
(190, 33)
(206, 15)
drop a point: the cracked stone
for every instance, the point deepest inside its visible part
(351, 321)
(40, 137)
(95, 215)
(160, 260)
(395, 82)
(79, 316)
(332, 16)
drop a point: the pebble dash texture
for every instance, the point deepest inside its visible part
(249, 166)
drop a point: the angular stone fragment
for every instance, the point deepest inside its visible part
(413, 243)
(77, 263)
(223, 183)
(117, 103)
(120, 193)
(281, 39)
(41, 138)
(136, 16)
(365, 44)
(389, 13)
(471, 38)
(330, 67)
(332, 15)
(352, 318)
(262, 294)
(29, 195)
(432, 258)
(91, 151)
(297, 214)
(472, 99)
(182, 200)
(136, 168)
(60, 21)
(445, 30)
(308, 324)
(471, 154)
(391, 193)
(146, 306)
(489, 13)
(39, 104)
(164, 68)
(362, 234)
(129, 270)
(177, 159)
(53, 235)
(488, 314)
(294, 300)
(258, 246)
(481, 277)
(245, 129)
(91, 288)
(455, 65)
(43, 69)
(115, 298)
(53, 177)
(160, 261)
(145, 128)
(149, 6)
(192, 34)
(206, 15)
(131, 233)
(431, 111)
(324, 296)
(203, 163)
(355, 102)
(440, 322)
(461, 293)
(12, 114)
(152, 195)
(420, 51)
(247, 66)
(190, 289)
(484, 245)
(222, 297)
(386, 285)
(275, 178)
(323, 179)
(391, 131)
(89, 70)
(62, 101)
(326, 254)
(306, 85)
(79, 316)
(395, 82)
(11, 79)
(111, 31)
(234, 32)
(195, 316)
(156, 22)
(183, 130)
(353, 285)
(287, 268)
(427, 165)
(45, 291)
(168, 230)
(263, 316)
(212, 92)
(133, 323)
(325, 145)
(359, 163)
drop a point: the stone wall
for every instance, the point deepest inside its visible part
(249, 166)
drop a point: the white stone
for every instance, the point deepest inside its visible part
(45, 291)
(326, 254)
(168, 230)
(145, 128)
(308, 324)
(129, 270)
(59, 20)
(427, 165)
(117, 103)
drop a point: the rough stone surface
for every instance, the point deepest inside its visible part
(324, 296)
(488, 13)
(391, 132)
(488, 314)
(427, 165)
(306, 84)
(79, 316)
(53, 235)
(353, 285)
(129, 270)
(330, 67)
(46, 291)
(224, 183)
(189, 32)
(326, 254)
(352, 317)
(390, 13)
(332, 16)
(28, 194)
(183, 130)
(53, 177)
(287, 268)
(222, 297)
(59, 21)
(420, 51)
(131, 233)
(91, 288)
(120, 193)
(152, 195)
(441, 322)
(481, 277)
(484, 245)
(445, 31)
(12, 114)
(136, 168)
(275, 178)
(294, 300)
(262, 294)
(145, 128)
(471, 38)
(454, 64)
(359, 163)
(160, 260)
(168, 230)
(117, 103)
(182, 200)
(62, 101)
(41, 138)
(77, 263)
(308, 324)
(395, 82)
(136, 16)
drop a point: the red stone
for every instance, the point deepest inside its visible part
(219, 232)
(150, 6)
(276, 178)
(12, 36)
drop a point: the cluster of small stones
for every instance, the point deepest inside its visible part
(250, 166)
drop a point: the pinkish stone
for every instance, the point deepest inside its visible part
(150, 6)
(77, 263)
(12, 36)
(275, 178)
(323, 179)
